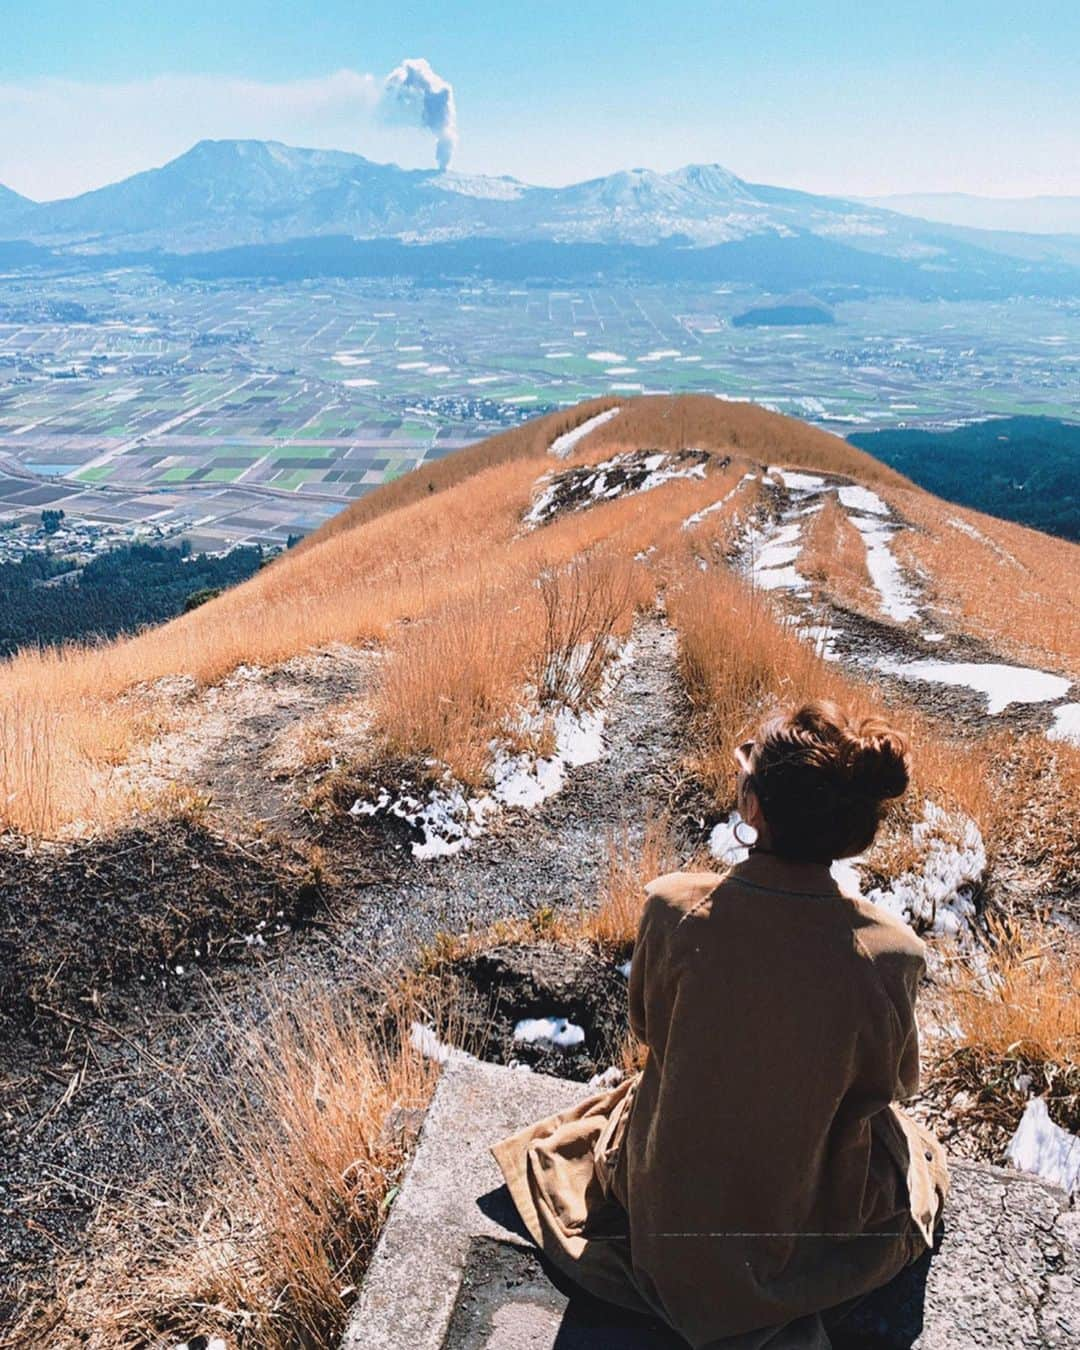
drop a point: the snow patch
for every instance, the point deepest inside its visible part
(425, 1041)
(1066, 724)
(561, 446)
(616, 477)
(555, 1031)
(611, 1077)
(857, 498)
(798, 482)
(1002, 685)
(699, 516)
(897, 599)
(1041, 1147)
(939, 895)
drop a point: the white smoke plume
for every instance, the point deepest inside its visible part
(414, 95)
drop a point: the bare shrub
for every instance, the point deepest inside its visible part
(585, 604)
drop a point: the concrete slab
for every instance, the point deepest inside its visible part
(450, 1196)
(454, 1269)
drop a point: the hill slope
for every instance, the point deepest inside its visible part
(420, 767)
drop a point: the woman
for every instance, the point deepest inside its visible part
(756, 1176)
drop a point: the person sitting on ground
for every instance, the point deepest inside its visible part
(756, 1178)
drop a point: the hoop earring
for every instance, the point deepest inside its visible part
(745, 843)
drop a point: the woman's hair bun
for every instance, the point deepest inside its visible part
(879, 760)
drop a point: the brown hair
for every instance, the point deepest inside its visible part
(822, 780)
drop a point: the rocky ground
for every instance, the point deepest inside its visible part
(95, 1098)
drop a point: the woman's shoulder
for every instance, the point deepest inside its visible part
(884, 937)
(683, 891)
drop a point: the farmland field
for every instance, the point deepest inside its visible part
(230, 412)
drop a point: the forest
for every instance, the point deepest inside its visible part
(45, 600)
(1025, 469)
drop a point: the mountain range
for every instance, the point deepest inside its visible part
(229, 193)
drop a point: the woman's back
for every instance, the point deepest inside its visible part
(757, 1172)
(778, 1023)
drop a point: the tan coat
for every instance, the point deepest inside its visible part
(756, 1172)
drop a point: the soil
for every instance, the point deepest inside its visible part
(251, 746)
(491, 991)
(114, 1096)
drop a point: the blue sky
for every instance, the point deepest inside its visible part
(827, 95)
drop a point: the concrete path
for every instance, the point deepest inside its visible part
(454, 1269)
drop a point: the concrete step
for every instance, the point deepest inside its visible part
(454, 1269)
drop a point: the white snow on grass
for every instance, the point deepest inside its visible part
(897, 599)
(772, 568)
(1041, 1147)
(412, 365)
(447, 818)
(1066, 724)
(798, 482)
(555, 1031)
(823, 636)
(939, 894)
(965, 528)
(616, 477)
(1001, 685)
(557, 356)
(699, 516)
(661, 354)
(621, 370)
(606, 358)
(857, 498)
(358, 383)
(611, 1077)
(425, 1041)
(561, 446)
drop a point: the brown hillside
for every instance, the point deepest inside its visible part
(663, 422)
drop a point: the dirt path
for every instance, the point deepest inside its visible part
(135, 1111)
(246, 745)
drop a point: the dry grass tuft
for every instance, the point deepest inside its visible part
(1013, 586)
(1013, 1030)
(633, 860)
(300, 1169)
(833, 559)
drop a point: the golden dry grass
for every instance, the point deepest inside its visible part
(300, 1165)
(738, 663)
(833, 560)
(1014, 587)
(433, 549)
(1025, 999)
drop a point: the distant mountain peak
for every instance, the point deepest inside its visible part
(227, 192)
